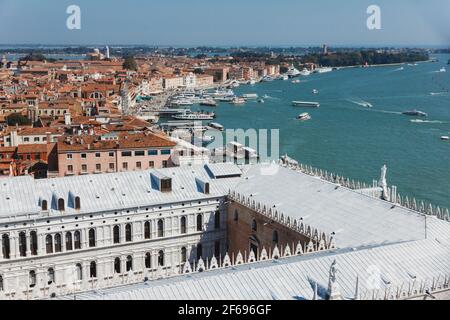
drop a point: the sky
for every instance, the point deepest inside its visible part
(226, 22)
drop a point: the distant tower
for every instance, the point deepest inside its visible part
(107, 52)
(325, 49)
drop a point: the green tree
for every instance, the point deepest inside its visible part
(17, 119)
(130, 63)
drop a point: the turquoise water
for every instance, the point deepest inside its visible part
(355, 141)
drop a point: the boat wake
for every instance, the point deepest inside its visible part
(362, 103)
(427, 121)
(439, 93)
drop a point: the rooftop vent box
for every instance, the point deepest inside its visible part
(161, 182)
(223, 170)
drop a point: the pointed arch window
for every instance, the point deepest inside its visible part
(254, 225)
(128, 233)
(147, 230)
(92, 241)
(160, 228)
(1, 283)
(217, 220)
(49, 244)
(93, 270)
(77, 240)
(161, 258)
(23, 244)
(51, 276)
(199, 251)
(200, 222)
(33, 243)
(6, 249)
(183, 255)
(275, 237)
(58, 243)
(236, 215)
(32, 278)
(69, 246)
(79, 271)
(116, 234)
(183, 226)
(129, 263)
(148, 260)
(77, 203)
(44, 205)
(117, 265)
(61, 204)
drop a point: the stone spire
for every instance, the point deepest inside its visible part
(333, 287)
(383, 184)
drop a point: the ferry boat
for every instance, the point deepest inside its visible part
(195, 116)
(217, 126)
(415, 113)
(306, 104)
(220, 93)
(304, 117)
(238, 101)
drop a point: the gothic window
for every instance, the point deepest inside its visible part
(147, 230)
(129, 263)
(160, 228)
(51, 275)
(33, 243)
(183, 229)
(1, 283)
(77, 239)
(79, 271)
(200, 222)
(6, 247)
(58, 243)
(236, 215)
(69, 241)
(49, 244)
(92, 241)
(183, 255)
(117, 265)
(22, 244)
(128, 233)
(254, 225)
(116, 234)
(161, 258)
(275, 237)
(217, 249)
(217, 220)
(61, 204)
(148, 260)
(199, 251)
(32, 278)
(93, 270)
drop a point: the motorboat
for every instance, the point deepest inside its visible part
(443, 69)
(284, 77)
(238, 101)
(304, 117)
(226, 99)
(445, 138)
(208, 103)
(217, 126)
(305, 72)
(295, 81)
(415, 113)
(250, 96)
(268, 79)
(315, 91)
(261, 101)
(306, 104)
(292, 72)
(324, 70)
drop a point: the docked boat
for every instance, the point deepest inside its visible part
(304, 117)
(415, 113)
(284, 77)
(217, 126)
(324, 70)
(238, 101)
(305, 72)
(250, 96)
(306, 104)
(182, 102)
(220, 93)
(195, 116)
(445, 138)
(267, 79)
(292, 72)
(208, 103)
(226, 99)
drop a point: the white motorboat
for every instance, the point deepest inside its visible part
(305, 72)
(324, 70)
(443, 69)
(445, 138)
(292, 72)
(208, 103)
(306, 104)
(238, 101)
(315, 91)
(304, 117)
(250, 96)
(195, 116)
(261, 101)
(217, 126)
(296, 81)
(285, 77)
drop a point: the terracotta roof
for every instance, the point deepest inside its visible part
(31, 148)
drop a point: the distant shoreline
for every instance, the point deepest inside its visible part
(384, 65)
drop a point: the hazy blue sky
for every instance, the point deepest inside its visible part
(226, 22)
